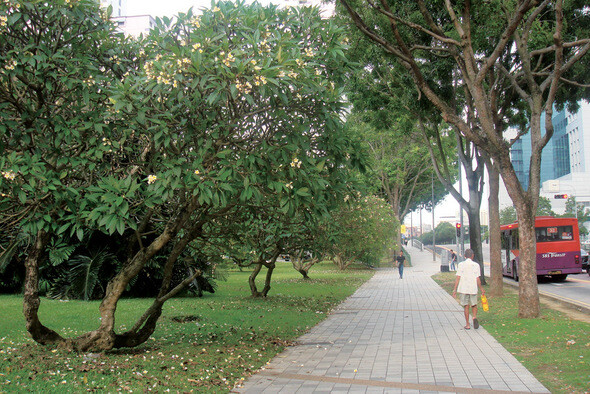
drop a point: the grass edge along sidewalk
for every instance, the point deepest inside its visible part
(204, 344)
(554, 348)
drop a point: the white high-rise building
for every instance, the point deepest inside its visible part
(119, 6)
(565, 163)
(578, 130)
(135, 25)
(576, 155)
(132, 25)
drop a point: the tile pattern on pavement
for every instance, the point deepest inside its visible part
(395, 336)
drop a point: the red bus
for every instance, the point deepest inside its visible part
(558, 248)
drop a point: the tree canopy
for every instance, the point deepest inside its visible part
(161, 144)
(512, 59)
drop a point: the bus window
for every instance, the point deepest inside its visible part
(541, 233)
(514, 236)
(504, 239)
(556, 233)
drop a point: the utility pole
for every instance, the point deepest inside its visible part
(433, 227)
(411, 229)
(421, 232)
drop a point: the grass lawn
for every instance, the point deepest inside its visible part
(554, 347)
(201, 344)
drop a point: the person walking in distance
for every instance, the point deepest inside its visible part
(400, 263)
(466, 284)
(453, 259)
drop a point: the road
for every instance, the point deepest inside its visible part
(575, 289)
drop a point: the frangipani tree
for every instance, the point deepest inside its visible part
(58, 62)
(224, 110)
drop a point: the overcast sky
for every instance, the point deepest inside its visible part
(163, 7)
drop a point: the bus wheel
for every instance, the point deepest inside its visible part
(559, 278)
(514, 272)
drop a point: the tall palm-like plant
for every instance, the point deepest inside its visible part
(11, 274)
(82, 280)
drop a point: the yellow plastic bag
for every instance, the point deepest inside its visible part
(484, 303)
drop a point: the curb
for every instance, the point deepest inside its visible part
(554, 298)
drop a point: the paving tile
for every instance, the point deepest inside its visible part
(393, 332)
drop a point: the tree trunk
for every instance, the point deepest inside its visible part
(270, 265)
(340, 262)
(528, 292)
(468, 153)
(104, 337)
(526, 207)
(398, 235)
(266, 288)
(475, 240)
(136, 338)
(474, 180)
(497, 283)
(252, 281)
(303, 266)
(31, 301)
(299, 264)
(146, 325)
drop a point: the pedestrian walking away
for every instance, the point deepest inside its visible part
(466, 284)
(453, 259)
(400, 263)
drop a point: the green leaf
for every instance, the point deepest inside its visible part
(13, 18)
(141, 117)
(63, 228)
(304, 192)
(121, 227)
(213, 97)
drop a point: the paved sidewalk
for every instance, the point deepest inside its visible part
(395, 336)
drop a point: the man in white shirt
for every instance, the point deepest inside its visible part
(466, 285)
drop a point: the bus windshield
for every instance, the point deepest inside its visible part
(554, 233)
